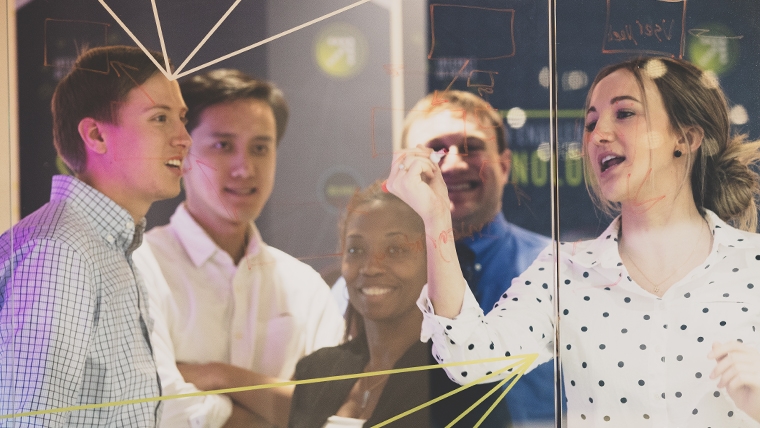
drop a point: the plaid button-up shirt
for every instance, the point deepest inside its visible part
(74, 324)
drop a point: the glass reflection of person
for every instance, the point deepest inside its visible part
(491, 251)
(74, 324)
(384, 264)
(232, 310)
(659, 313)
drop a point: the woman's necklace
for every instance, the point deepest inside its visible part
(368, 390)
(662, 281)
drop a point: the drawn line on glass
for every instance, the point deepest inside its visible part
(524, 361)
(176, 75)
(135, 39)
(270, 39)
(160, 33)
(208, 35)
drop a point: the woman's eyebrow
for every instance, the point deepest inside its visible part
(614, 100)
(623, 97)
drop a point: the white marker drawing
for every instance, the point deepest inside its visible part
(160, 34)
(178, 73)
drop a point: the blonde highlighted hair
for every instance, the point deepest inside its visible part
(455, 100)
(721, 176)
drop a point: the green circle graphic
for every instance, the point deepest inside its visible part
(713, 47)
(340, 50)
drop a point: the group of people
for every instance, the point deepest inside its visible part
(656, 323)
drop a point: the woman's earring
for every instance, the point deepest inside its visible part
(677, 153)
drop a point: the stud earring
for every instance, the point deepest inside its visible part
(677, 153)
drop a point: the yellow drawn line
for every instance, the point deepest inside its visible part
(517, 375)
(528, 360)
(506, 390)
(529, 357)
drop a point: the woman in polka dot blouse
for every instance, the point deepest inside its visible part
(658, 315)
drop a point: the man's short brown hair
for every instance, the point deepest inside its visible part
(227, 85)
(470, 103)
(100, 80)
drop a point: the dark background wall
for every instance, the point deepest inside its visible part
(339, 134)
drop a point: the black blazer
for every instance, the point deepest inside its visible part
(314, 403)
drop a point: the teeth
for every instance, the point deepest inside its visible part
(174, 162)
(608, 157)
(375, 291)
(463, 186)
(241, 191)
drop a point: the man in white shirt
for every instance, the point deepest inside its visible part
(232, 311)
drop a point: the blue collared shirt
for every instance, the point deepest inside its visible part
(74, 324)
(502, 252)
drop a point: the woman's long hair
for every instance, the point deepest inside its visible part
(721, 176)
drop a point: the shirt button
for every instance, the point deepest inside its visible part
(478, 267)
(129, 224)
(110, 239)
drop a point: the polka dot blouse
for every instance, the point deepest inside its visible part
(630, 358)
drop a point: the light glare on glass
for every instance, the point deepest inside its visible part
(738, 115)
(516, 117)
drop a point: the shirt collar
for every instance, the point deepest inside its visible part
(604, 249)
(113, 223)
(601, 251)
(493, 231)
(198, 244)
(726, 235)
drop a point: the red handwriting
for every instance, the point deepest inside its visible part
(651, 201)
(623, 35)
(483, 88)
(393, 69)
(116, 65)
(443, 237)
(659, 31)
(438, 101)
(505, 50)
(79, 50)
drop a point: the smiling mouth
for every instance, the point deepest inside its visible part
(174, 163)
(611, 160)
(463, 187)
(241, 192)
(375, 291)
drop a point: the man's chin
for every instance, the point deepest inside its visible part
(465, 219)
(467, 222)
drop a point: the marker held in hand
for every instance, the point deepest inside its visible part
(435, 157)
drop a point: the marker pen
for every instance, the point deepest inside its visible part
(434, 157)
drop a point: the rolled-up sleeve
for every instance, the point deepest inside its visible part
(208, 411)
(521, 322)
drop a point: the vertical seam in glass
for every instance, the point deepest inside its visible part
(554, 173)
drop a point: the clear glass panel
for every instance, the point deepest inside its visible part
(622, 345)
(349, 78)
(351, 75)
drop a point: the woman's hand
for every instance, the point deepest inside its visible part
(739, 371)
(417, 180)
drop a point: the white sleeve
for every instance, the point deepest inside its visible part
(339, 292)
(326, 325)
(209, 411)
(522, 322)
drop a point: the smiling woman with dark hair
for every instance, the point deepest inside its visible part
(383, 243)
